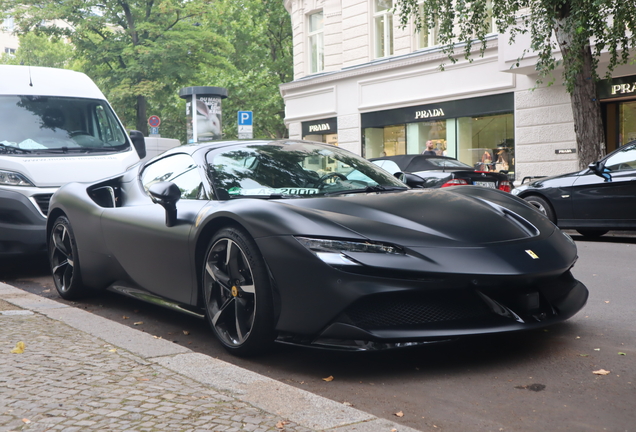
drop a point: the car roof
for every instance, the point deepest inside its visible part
(415, 162)
(211, 145)
(45, 81)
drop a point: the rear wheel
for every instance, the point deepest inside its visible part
(592, 233)
(237, 293)
(64, 260)
(542, 205)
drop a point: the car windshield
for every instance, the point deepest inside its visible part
(46, 124)
(294, 169)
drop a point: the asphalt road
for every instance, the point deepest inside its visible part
(534, 381)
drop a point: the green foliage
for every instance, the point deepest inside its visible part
(38, 50)
(138, 51)
(603, 24)
(261, 34)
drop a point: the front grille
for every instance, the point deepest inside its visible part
(385, 311)
(43, 202)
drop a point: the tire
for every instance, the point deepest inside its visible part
(542, 205)
(64, 260)
(592, 233)
(237, 293)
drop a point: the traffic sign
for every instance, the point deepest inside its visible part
(154, 121)
(245, 118)
(245, 125)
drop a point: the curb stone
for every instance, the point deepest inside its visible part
(262, 399)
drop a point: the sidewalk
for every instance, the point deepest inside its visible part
(82, 372)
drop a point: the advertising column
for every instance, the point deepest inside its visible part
(203, 112)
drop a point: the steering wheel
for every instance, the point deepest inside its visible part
(324, 178)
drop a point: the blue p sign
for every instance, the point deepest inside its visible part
(245, 118)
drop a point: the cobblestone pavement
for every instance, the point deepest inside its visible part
(69, 381)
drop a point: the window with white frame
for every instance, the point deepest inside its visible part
(10, 51)
(383, 28)
(490, 21)
(427, 36)
(8, 24)
(316, 42)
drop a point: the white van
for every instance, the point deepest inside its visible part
(55, 127)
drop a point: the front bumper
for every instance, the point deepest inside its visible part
(22, 224)
(322, 306)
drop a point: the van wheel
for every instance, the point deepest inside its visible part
(64, 260)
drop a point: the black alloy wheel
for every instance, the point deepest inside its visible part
(237, 293)
(64, 260)
(542, 205)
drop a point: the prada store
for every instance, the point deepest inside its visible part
(618, 106)
(325, 130)
(476, 131)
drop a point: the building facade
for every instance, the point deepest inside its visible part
(365, 84)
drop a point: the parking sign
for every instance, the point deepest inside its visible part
(245, 125)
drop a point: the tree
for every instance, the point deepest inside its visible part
(583, 30)
(261, 34)
(139, 50)
(40, 51)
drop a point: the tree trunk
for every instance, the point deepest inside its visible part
(142, 117)
(588, 123)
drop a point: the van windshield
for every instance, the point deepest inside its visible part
(47, 124)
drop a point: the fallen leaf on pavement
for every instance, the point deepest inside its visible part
(185, 332)
(26, 420)
(19, 348)
(138, 323)
(329, 378)
(601, 372)
(281, 424)
(606, 301)
(347, 403)
(621, 353)
(584, 355)
(113, 350)
(399, 414)
(124, 317)
(393, 430)
(597, 349)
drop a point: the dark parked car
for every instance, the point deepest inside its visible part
(592, 201)
(442, 171)
(306, 243)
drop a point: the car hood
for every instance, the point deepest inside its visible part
(459, 216)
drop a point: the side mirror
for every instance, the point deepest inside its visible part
(410, 179)
(598, 168)
(139, 142)
(166, 194)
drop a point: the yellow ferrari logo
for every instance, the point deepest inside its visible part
(234, 291)
(532, 254)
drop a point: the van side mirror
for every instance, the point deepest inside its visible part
(166, 194)
(139, 142)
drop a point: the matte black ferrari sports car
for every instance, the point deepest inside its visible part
(592, 201)
(306, 243)
(442, 171)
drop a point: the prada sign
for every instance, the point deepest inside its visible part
(320, 127)
(431, 113)
(617, 87)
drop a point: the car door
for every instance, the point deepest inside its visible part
(611, 204)
(159, 258)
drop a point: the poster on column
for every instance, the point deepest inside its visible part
(208, 121)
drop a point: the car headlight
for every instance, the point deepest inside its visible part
(334, 252)
(516, 191)
(10, 178)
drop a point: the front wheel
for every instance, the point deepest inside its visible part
(237, 293)
(64, 260)
(542, 205)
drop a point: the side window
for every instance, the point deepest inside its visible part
(388, 165)
(179, 169)
(623, 160)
